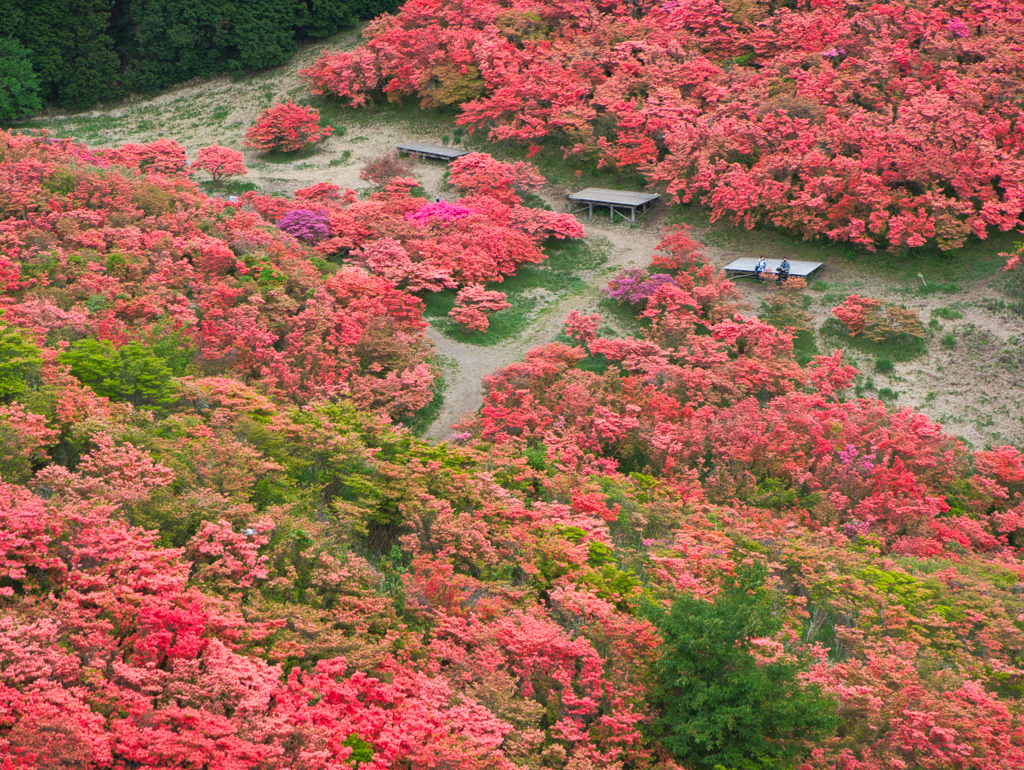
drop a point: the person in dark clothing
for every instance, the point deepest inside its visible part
(783, 272)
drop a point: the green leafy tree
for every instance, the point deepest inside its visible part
(19, 84)
(130, 373)
(20, 361)
(719, 705)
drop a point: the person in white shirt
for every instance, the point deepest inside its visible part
(760, 269)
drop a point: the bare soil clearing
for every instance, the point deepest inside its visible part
(971, 379)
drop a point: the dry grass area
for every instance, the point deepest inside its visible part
(970, 376)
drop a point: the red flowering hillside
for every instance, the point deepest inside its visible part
(884, 124)
(429, 246)
(127, 250)
(678, 551)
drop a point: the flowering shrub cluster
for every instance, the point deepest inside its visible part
(220, 162)
(306, 225)
(429, 246)
(286, 127)
(473, 304)
(637, 285)
(884, 124)
(876, 320)
(439, 211)
(135, 254)
(218, 547)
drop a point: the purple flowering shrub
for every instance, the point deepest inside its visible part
(637, 285)
(306, 225)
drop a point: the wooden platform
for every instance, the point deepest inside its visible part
(626, 204)
(432, 151)
(745, 267)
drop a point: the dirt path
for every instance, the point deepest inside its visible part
(626, 246)
(971, 379)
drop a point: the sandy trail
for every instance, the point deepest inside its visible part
(627, 246)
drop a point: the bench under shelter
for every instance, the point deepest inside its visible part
(432, 151)
(744, 267)
(628, 205)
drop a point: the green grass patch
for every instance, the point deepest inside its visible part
(507, 323)
(903, 348)
(374, 114)
(341, 160)
(946, 270)
(805, 347)
(439, 303)
(832, 299)
(558, 275)
(279, 157)
(947, 313)
(227, 187)
(863, 386)
(938, 287)
(622, 316)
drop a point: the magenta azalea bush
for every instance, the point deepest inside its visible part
(306, 225)
(439, 211)
(637, 285)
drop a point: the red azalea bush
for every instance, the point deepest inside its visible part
(477, 173)
(286, 127)
(877, 320)
(162, 156)
(882, 124)
(383, 169)
(219, 162)
(473, 304)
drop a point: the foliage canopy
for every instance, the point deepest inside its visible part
(722, 699)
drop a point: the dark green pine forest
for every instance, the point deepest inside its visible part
(83, 52)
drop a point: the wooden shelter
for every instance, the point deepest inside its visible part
(744, 267)
(628, 205)
(432, 151)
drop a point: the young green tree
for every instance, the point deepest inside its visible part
(720, 705)
(20, 361)
(130, 373)
(19, 84)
